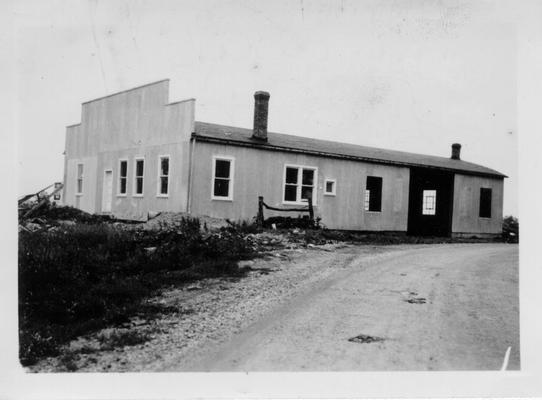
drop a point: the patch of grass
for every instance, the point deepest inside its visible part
(78, 279)
(244, 226)
(322, 236)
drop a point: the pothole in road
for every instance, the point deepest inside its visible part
(416, 300)
(365, 339)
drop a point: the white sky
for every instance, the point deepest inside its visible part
(405, 75)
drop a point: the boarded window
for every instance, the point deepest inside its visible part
(373, 194)
(79, 178)
(163, 178)
(299, 184)
(123, 175)
(485, 203)
(429, 205)
(222, 185)
(139, 173)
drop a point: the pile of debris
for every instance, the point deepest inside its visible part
(171, 220)
(50, 216)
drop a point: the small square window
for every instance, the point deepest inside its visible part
(329, 188)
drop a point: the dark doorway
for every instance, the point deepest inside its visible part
(430, 202)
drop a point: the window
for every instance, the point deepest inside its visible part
(123, 176)
(79, 179)
(429, 205)
(299, 184)
(163, 176)
(485, 203)
(329, 187)
(373, 194)
(222, 178)
(58, 185)
(139, 173)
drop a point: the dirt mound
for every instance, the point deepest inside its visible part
(168, 220)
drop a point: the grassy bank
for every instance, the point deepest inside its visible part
(80, 278)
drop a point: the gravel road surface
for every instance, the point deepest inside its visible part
(433, 307)
(444, 307)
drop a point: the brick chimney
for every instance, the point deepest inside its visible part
(456, 151)
(261, 106)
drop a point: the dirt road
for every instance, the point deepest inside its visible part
(434, 307)
(440, 307)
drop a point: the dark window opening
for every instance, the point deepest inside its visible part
(164, 176)
(222, 178)
(299, 184)
(123, 174)
(139, 176)
(290, 192)
(485, 203)
(330, 187)
(222, 169)
(373, 194)
(222, 188)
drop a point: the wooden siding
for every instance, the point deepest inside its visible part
(84, 201)
(466, 218)
(131, 124)
(261, 172)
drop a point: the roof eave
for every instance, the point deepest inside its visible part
(271, 147)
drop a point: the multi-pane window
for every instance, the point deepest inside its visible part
(373, 194)
(329, 187)
(222, 178)
(299, 184)
(429, 202)
(163, 177)
(485, 203)
(79, 178)
(123, 176)
(139, 173)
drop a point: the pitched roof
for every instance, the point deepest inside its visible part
(297, 144)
